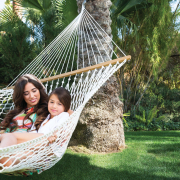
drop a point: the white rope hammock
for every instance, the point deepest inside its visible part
(79, 59)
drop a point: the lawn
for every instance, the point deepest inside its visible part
(149, 155)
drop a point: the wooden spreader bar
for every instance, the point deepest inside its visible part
(79, 71)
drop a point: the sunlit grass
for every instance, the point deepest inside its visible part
(149, 155)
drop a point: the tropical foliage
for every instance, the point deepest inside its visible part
(148, 30)
(27, 26)
(16, 48)
(46, 18)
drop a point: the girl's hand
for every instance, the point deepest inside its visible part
(52, 138)
(70, 111)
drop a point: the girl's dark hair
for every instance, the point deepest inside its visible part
(20, 103)
(63, 96)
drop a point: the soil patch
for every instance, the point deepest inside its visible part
(79, 148)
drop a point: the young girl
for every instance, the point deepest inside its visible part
(54, 115)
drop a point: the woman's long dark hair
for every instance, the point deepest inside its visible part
(20, 103)
(63, 96)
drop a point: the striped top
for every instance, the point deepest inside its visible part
(27, 123)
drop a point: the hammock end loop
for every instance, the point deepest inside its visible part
(83, 4)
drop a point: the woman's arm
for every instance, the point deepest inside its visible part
(23, 137)
(9, 139)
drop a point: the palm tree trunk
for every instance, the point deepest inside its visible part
(100, 126)
(16, 9)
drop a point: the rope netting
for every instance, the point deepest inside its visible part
(81, 45)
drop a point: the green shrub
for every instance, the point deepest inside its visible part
(159, 110)
(16, 49)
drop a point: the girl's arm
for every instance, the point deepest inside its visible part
(70, 111)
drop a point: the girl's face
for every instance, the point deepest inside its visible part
(31, 95)
(55, 107)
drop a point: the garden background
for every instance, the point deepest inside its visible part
(148, 30)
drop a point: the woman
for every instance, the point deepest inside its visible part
(30, 99)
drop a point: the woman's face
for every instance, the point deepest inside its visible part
(55, 107)
(31, 95)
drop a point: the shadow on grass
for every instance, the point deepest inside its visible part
(152, 135)
(164, 148)
(78, 167)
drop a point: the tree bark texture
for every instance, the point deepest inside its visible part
(100, 126)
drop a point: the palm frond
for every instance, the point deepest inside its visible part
(7, 16)
(122, 12)
(39, 6)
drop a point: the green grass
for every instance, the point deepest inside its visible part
(150, 155)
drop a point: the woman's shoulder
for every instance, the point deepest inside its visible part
(23, 113)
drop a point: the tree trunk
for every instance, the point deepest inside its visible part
(16, 9)
(100, 125)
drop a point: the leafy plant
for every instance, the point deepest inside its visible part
(16, 48)
(151, 114)
(124, 115)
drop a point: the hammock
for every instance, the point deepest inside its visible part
(79, 59)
